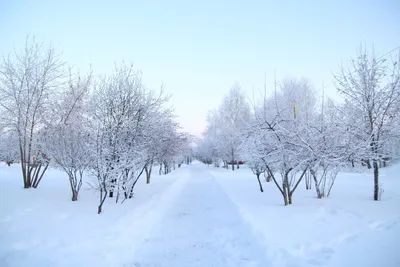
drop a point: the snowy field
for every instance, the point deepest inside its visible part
(200, 216)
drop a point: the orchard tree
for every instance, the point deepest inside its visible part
(123, 114)
(286, 159)
(275, 137)
(66, 139)
(161, 140)
(329, 147)
(253, 152)
(157, 127)
(28, 79)
(117, 108)
(227, 123)
(370, 86)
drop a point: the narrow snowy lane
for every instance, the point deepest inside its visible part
(201, 228)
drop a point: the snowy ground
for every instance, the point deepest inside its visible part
(347, 229)
(200, 216)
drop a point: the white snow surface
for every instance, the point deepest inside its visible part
(200, 216)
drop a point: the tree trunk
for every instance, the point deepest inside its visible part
(307, 186)
(133, 185)
(283, 189)
(74, 195)
(113, 181)
(23, 167)
(117, 198)
(74, 192)
(26, 174)
(166, 169)
(27, 184)
(148, 174)
(289, 191)
(233, 166)
(376, 180)
(259, 182)
(319, 195)
(38, 178)
(35, 174)
(308, 181)
(268, 178)
(368, 164)
(102, 199)
(285, 193)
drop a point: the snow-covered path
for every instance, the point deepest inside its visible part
(202, 227)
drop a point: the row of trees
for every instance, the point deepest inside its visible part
(111, 127)
(222, 137)
(292, 136)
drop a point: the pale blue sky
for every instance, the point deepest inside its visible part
(199, 49)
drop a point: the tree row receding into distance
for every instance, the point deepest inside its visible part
(292, 135)
(111, 127)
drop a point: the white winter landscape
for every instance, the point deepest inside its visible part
(213, 133)
(200, 216)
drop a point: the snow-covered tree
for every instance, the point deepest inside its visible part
(157, 127)
(132, 130)
(274, 142)
(66, 138)
(253, 153)
(206, 152)
(118, 105)
(165, 146)
(9, 147)
(28, 79)
(370, 86)
(286, 158)
(173, 147)
(329, 147)
(226, 124)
